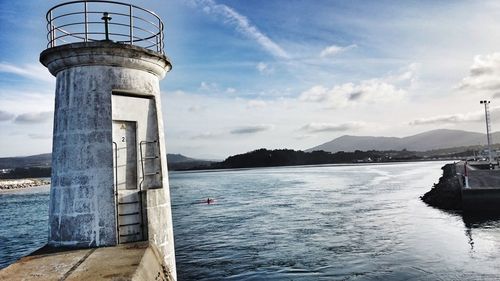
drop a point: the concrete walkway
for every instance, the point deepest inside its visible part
(480, 179)
(133, 261)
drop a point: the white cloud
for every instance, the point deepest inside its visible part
(40, 136)
(303, 137)
(209, 87)
(407, 75)
(205, 135)
(368, 91)
(484, 74)
(317, 93)
(476, 116)
(214, 88)
(209, 131)
(242, 25)
(256, 104)
(387, 89)
(33, 121)
(5, 116)
(330, 127)
(196, 108)
(264, 68)
(19, 101)
(33, 117)
(441, 119)
(251, 129)
(32, 71)
(334, 50)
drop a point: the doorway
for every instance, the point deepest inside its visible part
(129, 220)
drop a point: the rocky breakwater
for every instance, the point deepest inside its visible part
(12, 184)
(446, 194)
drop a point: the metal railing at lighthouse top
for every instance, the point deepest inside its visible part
(95, 20)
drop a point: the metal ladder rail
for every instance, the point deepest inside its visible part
(118, 203)
(117, 225)
(116, 193)
(145, 158)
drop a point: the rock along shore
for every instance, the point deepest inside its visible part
(12, 184)
(446, 194)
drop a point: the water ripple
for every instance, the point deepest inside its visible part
(326, 223)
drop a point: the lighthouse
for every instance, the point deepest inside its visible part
(109, 170)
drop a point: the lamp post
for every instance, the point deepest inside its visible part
(488, 126)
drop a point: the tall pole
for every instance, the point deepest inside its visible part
(488, 128)
(466, 176)
(106, 18)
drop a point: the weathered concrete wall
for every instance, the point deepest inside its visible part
(161, 231)
(160, 228)
(82, 208)
(152, 267)
(483, 194)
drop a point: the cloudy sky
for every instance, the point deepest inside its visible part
(282, 74)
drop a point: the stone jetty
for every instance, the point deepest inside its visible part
(11, 184)
(480, 196)
(446, 194)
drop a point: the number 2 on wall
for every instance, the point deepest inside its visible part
(123, 139)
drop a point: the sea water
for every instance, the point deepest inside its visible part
(330, 222)
(23, 222)
(354, 222)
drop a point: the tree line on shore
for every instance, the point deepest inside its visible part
(288, 157)
(268, 158)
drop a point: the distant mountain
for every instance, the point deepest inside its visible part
(40, 160)
(181, 162)
(178, 158)
(431, 140)
(175, 161)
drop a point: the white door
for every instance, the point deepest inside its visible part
(128, 196)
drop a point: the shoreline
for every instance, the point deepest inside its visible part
(19, 184)
(215, 170)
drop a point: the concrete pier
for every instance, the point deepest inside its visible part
(483, 193)
(133, 261)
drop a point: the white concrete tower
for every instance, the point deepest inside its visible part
(109, 169)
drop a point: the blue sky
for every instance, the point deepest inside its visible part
(282, 74)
